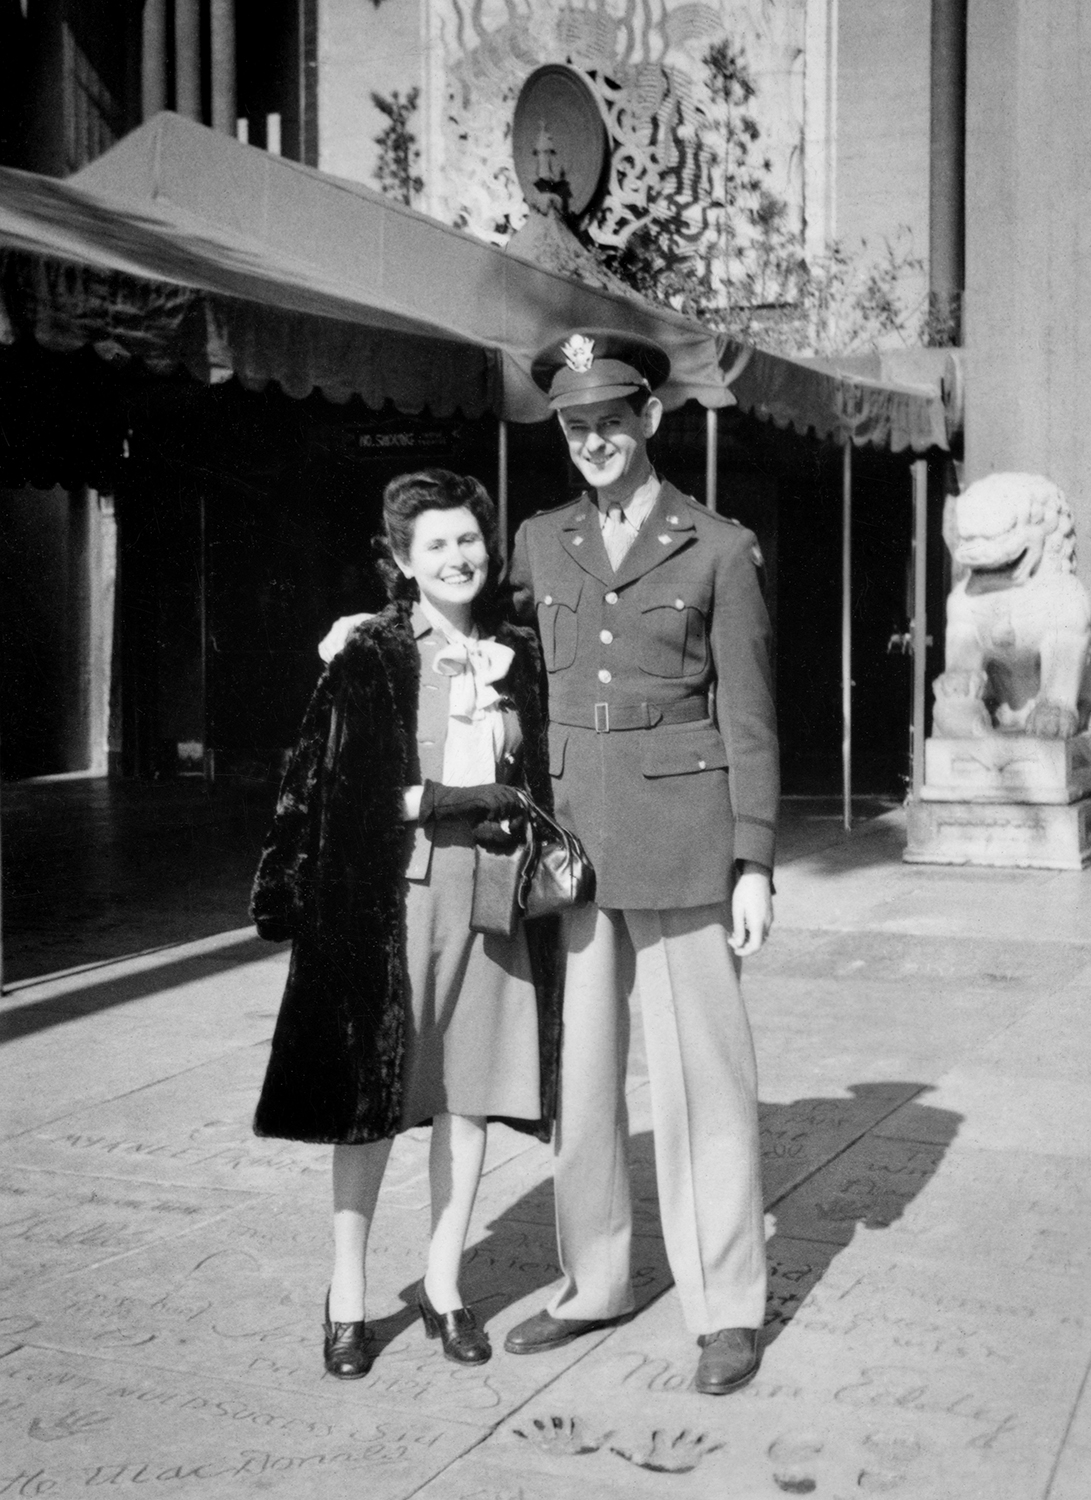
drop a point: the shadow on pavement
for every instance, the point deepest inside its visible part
(847, 1177)
(866, 1183)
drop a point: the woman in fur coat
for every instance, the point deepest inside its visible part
(396, 1014)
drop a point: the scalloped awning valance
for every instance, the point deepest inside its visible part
(838, 404)
(77, 270)
(183, 247)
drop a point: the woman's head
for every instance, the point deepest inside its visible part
(439, 539)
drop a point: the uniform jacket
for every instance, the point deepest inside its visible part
(664, 810)
(332, 877)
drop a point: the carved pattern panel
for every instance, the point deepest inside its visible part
(645, 61)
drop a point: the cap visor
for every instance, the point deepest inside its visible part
(589, 395)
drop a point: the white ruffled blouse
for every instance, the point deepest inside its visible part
(475, 725)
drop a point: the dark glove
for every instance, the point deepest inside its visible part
(476, 804)
(501, 837)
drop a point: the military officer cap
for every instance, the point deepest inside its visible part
(598, 364)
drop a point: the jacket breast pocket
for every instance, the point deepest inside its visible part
(558, 624)
(673, 638)
(687, 752)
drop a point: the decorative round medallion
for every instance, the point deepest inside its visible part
(559, 133)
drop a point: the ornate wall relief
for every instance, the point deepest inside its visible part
(646, 61)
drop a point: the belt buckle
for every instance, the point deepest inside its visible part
(602, 718)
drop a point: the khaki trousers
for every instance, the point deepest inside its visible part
(703, 1084)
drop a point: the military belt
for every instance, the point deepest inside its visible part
(608, 718)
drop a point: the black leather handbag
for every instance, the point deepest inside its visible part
(548, 871)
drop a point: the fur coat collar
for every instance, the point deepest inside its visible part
(331, 878)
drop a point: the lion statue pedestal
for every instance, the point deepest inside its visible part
(1008, 769)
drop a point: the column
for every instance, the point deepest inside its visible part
(153, 58)
(187, 58)
(222, 16)
(1028, 229)
(947, 165)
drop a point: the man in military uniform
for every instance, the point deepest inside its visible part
(664, 756)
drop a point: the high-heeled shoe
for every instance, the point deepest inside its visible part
(463, 1341)
(344, 1348)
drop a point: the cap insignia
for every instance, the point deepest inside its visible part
(579, 352)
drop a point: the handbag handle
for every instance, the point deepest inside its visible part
(539, 827)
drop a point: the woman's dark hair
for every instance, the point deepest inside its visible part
(409, 496)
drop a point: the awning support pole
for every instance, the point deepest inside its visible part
(502, 486)
(187, 58)
(920, 623)
(712, 439)
(208, 759)
(846, 632)
(222, 37)
(153, 58)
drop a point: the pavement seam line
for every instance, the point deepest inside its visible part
(1048, 1491)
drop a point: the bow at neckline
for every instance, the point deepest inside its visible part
(473, 666)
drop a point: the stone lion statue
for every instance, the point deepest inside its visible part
(1018, 619)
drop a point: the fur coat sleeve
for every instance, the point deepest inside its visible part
(331, 878)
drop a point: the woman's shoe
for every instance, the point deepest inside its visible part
(463, 1341)
(345, 1348)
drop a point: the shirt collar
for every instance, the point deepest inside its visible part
(640, 504)
(438, 622)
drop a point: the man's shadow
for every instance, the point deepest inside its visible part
(826, 1170)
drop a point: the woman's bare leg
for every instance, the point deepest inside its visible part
(454, 1166)
(357, 1177)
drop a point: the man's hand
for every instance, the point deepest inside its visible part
(751, 909)
(338, 634)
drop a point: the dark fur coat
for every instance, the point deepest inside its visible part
(331, 878)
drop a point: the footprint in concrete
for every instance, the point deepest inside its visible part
(893, 1449)
(794, 1459)
(880, 1481)
(564, 1437)
(663, 1454)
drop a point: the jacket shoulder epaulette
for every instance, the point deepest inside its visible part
(712, 515)
(556, 510)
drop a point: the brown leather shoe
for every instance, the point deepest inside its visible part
(544, 1331)
(729, 1358)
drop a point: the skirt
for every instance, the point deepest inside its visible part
(471, 1034)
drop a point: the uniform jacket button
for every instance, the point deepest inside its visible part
(611, 597)
(548, 599)
(604, 675)
(679, 604)
(606, 636)
(701, 764)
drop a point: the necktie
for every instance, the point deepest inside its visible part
(617, 535)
